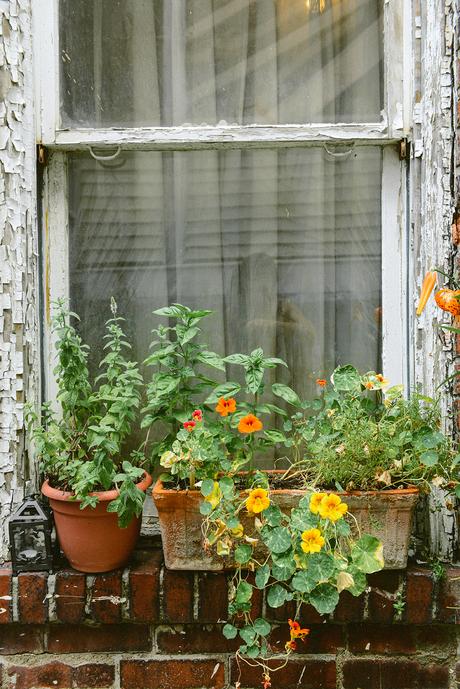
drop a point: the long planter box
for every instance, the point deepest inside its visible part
(385, 514)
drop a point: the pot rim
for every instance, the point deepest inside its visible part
(159, 489)
(103, 496)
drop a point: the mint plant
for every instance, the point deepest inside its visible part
(81, 449)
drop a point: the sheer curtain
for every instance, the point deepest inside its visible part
(282, 244)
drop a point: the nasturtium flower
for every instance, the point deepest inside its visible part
(312, 541)
(226, 406)
(382, 380)
(296, 631)
(189, 425)
(322, 382)
(197, 415)
(250, 424)
(315, 502)
(257, 501)
(332, 507)
(369, 385)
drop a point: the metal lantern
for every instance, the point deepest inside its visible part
(30, 537)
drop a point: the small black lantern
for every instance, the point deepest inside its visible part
(30, 537)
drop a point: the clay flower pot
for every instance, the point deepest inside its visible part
(387, 515)
(91, 539)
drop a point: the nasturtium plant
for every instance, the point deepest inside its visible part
(306, 555)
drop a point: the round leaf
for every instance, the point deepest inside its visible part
(324, 598)
(207, 486)
(278, 540)
(229, 631)
(262, 627)
(262, 576)
(367, 554)
(276, 596)
(346, 379)
(243, 553)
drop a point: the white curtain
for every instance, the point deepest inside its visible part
(282, 244)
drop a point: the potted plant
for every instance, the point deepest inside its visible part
(96, 494)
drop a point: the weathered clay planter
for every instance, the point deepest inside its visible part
(385, 514)
(91, 539)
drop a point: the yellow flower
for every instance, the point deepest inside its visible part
(384, 382)
(315, 502)
(257, 501)
(215, 496)
(332, 507)
(312, 541)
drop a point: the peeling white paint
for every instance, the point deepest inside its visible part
(19, 365)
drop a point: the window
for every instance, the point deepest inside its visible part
(238, 155)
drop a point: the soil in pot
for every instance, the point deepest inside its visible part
(91, 539)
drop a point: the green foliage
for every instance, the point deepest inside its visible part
(81, 450)
(178, 381)
(365, 437)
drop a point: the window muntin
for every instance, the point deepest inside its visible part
(135, 63)
(284, 246)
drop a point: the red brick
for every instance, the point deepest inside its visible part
(419, 596)
(32, 600)
(213, 597)
(311, 673)
(323, 638)
(54, 674)
(178, 596)
(6, 608)
(350, 608)
(386, 580)
(448, 606)
(106, 598)
(81, 639)
(308, 614)
(195, 639)
(369, 638)
(437, 637)
(16, 638)
(171, 674)
(70, 596)
(384, 674)
(433, 677)
(93, 675)
(380, 606)
(144, 582)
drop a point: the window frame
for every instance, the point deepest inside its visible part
(394, 128)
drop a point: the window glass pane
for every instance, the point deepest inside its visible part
(167, 62)
(284, 246)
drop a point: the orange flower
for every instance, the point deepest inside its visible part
(189, 426)
(250, 424)
(225, 407)
(315, 502)
(312, 541)
(296, 632)
(290, 645)
(332, 507)
(322, 382)
(257, 501)
(369, 385)
(197, 415)
(266, 684)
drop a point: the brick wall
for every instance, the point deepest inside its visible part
(148, 627)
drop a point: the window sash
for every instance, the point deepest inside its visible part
(395, 123)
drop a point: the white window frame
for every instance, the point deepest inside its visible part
(393, 129)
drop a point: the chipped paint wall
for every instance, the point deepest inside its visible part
(19, 361)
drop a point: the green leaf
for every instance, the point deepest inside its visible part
(302, 582)
(239, 359)
(262, 627)
(457, 490)
(273, 361)
(343, 528)
(367, 554)
(346, 379)
(207, 486)
(229, 631)
(324, 598)
(243, 553)
(243, 592)
(189, 334)
(278, 539)
(303, 519)
(360, 580)
(283, 567)
(429, 458)
(252, 651)
(248, 634)
(321, 566)
(205, 508)
(275, 436)
(273, 515)
(225, 390)
(276, 596)
(226, 485)
(262, 576)
(286, 393)
(211, 359)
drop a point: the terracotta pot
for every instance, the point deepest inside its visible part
(91, 539)
(385, 514)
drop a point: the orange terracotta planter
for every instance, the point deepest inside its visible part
(385, 514)
(91, 539)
